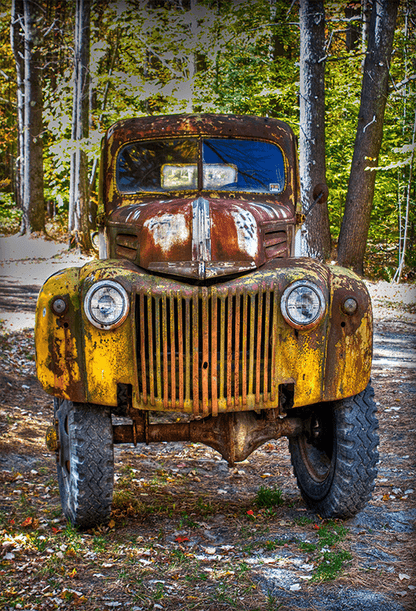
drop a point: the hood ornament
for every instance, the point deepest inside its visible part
(201, 235)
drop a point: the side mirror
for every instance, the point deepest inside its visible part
(320, 193)
(320, 196)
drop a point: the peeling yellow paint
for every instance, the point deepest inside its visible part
(57, 349)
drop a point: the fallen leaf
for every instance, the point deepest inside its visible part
(181, 539)
(71, 552)
(27, 522)
(111, 524)
(56, 530)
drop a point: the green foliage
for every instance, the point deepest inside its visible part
(269, 497)
(10, 215)
(331, 557)
(226, 57)
(331, 533)
(332, 564)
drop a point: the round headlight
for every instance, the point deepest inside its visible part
(106, 304)
(302, 304)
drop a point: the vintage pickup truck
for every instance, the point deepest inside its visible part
(199, 306)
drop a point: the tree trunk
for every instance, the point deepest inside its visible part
(317, 242)
(365, 23)
(33, 218)
(79, 222)
(352, 33)
(16, 40)
(359, 199)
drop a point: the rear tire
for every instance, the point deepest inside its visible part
(85, 462)
(335, 459)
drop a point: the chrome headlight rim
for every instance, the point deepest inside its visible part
(287, 293)
(110, 284)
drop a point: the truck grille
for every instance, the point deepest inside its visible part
(206, 352)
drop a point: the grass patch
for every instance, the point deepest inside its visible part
(331, 565)
(331, 534)
(328, 555)
(272, 545)
(269, 497)
(307, 547)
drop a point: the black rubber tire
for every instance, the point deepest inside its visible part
(85, 462)
(335, 461)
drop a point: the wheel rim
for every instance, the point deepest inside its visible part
(316, 448)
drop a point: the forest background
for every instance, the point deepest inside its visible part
(243, 57)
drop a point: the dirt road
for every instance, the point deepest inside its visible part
(186, 531)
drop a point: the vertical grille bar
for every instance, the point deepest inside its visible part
(143, 347)
(222, 346)
(151, 348)
(266, 347)
(214, 356)
(172, 350)
(180, 349)
(237, 350)
(244, 350)
(165, 353)
(251, 345)
(188, 350)
(195, 354)
(158, 348)
(260, 338)
(205, 355)
(273, 396)
(229, 349)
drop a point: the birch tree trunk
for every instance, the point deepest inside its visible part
(359, 199)
(317, 238)
(33, 218)
(16, 41)
(79, 222)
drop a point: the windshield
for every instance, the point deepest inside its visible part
(228, 164)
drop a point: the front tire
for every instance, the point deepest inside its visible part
(85, 463)
(335, 458)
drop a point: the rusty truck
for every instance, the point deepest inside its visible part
(197, 305)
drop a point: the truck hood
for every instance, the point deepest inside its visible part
(201, 237)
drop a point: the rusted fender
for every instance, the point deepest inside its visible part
(58, 339)
(350, 337)
(75, 360)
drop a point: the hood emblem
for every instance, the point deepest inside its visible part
(201, 234)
